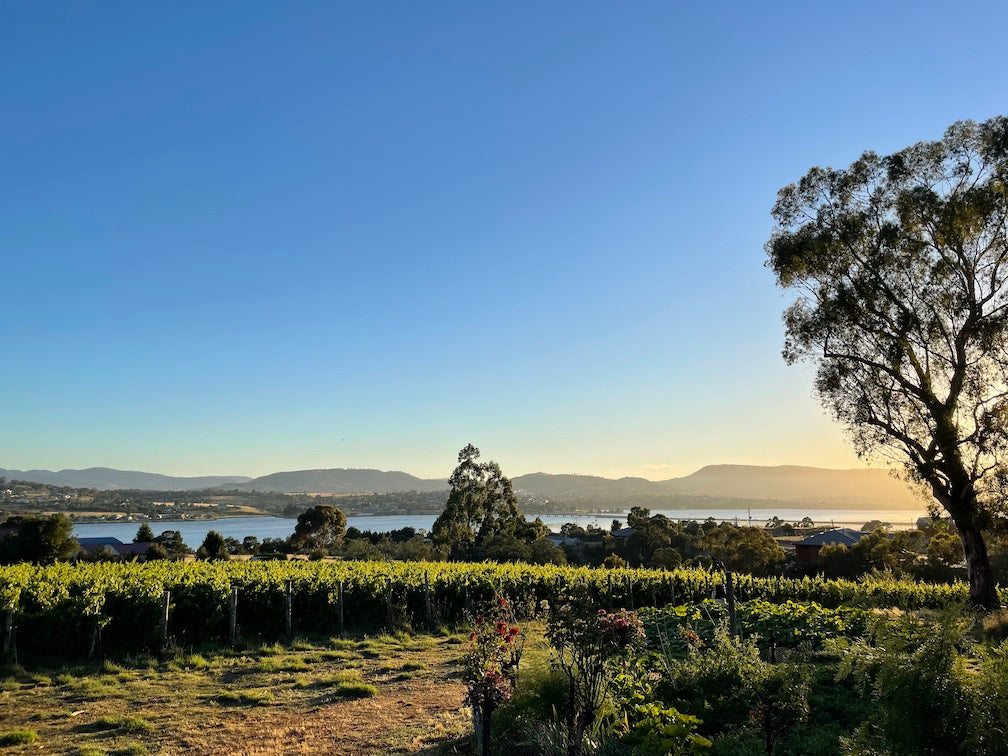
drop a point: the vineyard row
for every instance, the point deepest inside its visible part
(57, 609)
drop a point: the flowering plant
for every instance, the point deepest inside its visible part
(587, 643)
(490, 666)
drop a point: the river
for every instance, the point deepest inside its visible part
(194, 531)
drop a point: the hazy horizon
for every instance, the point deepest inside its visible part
(266, 237)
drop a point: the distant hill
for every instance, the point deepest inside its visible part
(787, 483)
(583, 486)
(107, 479)
(341, 480)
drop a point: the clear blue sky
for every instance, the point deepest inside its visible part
(242, 237)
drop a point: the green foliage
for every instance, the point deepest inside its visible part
(17, 737)
(751, 549)
(213, 547)
(144, 534)
(490, 666)
(945, 548)
(788, 624)
(586, 642)
(321, 527)
(172, 544)
(541, 694)
(614, 561)
(656, 729)
(482, 507)
(900, 263)
(781, 702)
(351, 689)
(925, 698)
(714, 681)
(58, 605)
(39, 539)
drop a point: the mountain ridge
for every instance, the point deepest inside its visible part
(110, 479)
(869, 487)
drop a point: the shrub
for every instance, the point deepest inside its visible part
(924, 697)
(490, 667)
(585, 640)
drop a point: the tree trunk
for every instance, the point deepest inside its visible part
(960, 500)
(487, 714)
(573, 743)
(983, 592)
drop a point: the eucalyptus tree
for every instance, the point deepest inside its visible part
(900, 267)
(481, 505)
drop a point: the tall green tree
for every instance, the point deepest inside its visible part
(744, 549)
(321, 527)
(170, 541)
(900, 266)
(39, 539)
(213, 547)
(481, 506)
(144, 534)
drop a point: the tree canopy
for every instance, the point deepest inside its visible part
(38, 539)
(321, 527)
(213, 547)
(482, 508)
(900, 265)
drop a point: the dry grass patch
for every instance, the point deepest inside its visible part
(333, 697)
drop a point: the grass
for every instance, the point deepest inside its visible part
(305, 691)
(132, 749)
(17, 737)
(245, 697)
(355, 690)
(123, 722)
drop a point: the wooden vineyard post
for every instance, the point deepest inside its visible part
(730, 595)
(95, 649)
(165, 604)
(233, 616)
(288, 613)
(631, 593)
(654, 596)
(9, 647)
(610, 592)
(427, 605)
(388, 605)
(339, 601)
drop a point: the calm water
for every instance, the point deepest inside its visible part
(194, 531)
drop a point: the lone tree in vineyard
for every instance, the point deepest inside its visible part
(481, 504)
(901, 268)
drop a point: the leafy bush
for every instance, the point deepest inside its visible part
(585, 640)
(924, 697)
